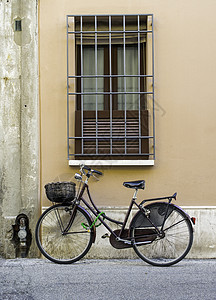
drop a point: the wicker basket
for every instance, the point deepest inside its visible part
(60, 191)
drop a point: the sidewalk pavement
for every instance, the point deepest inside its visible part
(33, 279)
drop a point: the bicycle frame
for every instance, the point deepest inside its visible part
(133, 203)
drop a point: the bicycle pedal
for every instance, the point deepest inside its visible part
(106, 235)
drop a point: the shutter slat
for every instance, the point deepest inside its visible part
(103, 129)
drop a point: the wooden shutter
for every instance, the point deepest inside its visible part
(104, 144)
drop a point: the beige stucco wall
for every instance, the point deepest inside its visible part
(185, 70)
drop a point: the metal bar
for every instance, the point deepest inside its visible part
(96, 86)
(67, 94)
(110, 72)
(109, 93)
(81, 62)
(125, 97)
(112, 15)
(139, 103)
(110, 31)
(113, 137)
(153, 85)
(114, 154)
(102, 76)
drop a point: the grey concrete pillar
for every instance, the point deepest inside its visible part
(19, 119)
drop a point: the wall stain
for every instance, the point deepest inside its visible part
(5, 79)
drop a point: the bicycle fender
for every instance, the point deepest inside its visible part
(93, 227)
(192, 220)
(157, 212)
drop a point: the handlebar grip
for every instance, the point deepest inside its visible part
(93, 171)
(97, 172)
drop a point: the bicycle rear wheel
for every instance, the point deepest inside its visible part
(60, 245)
(172, 246)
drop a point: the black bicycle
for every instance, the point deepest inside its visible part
(161, 233)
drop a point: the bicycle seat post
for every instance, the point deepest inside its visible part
(135, 194)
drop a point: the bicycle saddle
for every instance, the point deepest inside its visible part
(138, 184)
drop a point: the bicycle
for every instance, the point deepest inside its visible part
(161, 233)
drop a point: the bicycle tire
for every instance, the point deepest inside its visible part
(64, 248)
(173, 246)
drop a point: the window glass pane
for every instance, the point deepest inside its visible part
(117, 23)
(131, 23)
(100, 85)
(131, 66)
(129, 84)
(89, 102)
(117, 39)
(100, 61)
(77, 23)
(131, 38)
(100, 102)
(131, 60)
(132, 100)
(77, 39)
(143, 22)
(88, 60)
(87, 39)
(102, 38)
(143, 37)
(103, 23)
(89, 84)
(88, 23)
(100, 80)
(120, 80)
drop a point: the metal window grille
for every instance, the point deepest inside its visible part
(106, 130)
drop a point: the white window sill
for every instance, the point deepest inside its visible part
(112, 162)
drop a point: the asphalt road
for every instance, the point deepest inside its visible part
(106, 279)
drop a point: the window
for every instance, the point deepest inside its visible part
(110, 87)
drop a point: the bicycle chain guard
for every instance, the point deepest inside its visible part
(141, 235)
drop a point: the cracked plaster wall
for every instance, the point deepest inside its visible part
(19, 119)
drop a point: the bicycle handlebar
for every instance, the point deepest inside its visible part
(91, 170)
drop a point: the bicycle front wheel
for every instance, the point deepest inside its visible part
(172, 246)
(63, 239)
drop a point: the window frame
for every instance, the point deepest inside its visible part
(79, 114)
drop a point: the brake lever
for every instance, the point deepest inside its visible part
(95, 177)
